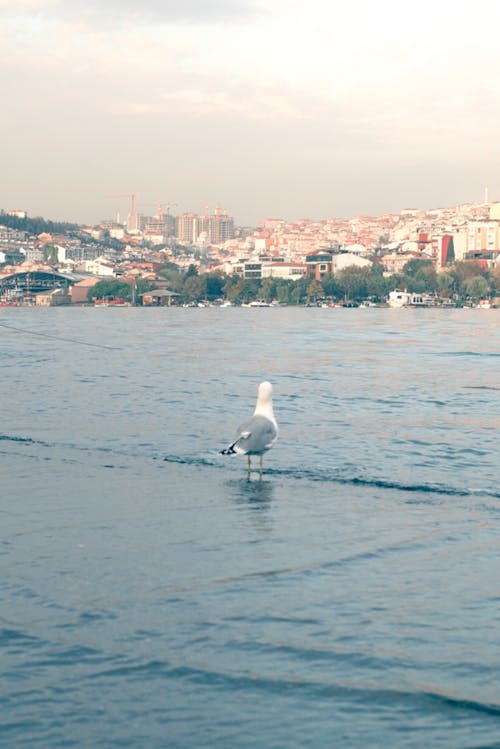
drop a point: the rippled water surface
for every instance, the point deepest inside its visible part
(151, 596)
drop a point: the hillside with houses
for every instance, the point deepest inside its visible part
(448, 256)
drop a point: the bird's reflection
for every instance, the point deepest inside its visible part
(257, 494)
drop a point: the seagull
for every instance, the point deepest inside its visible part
(259, 433)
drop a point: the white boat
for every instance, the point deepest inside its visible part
(258, 303)
(398, 298)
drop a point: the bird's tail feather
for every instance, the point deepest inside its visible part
(231, 450)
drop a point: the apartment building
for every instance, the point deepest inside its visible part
(483, 236)
(217, 227)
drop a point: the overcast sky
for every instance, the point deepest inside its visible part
(270, 108)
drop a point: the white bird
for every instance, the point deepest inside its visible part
(259, 433)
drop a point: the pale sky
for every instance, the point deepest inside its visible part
(269, 108)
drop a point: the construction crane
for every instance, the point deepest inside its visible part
(160, 209)
(132, 197)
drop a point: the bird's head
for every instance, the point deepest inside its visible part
(265, 392)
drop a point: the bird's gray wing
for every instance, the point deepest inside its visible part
(256, 435)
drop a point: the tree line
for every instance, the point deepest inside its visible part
(460, 282)
(35, 226)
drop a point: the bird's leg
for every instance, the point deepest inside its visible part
(261, 463)
(249, 464)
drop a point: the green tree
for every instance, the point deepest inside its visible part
(241, 290)
(268, 289)
(49, 254)
(173, 275)
(112, 289)
(168, 267)
(331, 286)
(249, 291)
(283, 292)
(193, 288)
(446, 284)
(315, 290)
(229, 288)
(413, 267)
(141, 286)
(298, 292)
(424, 281)
(477, 288)
(36, 225)
(352, 283)
(214, 284)
(378, 285)
(495, 281)
(296, 295)
(464, 271)
(419, 276)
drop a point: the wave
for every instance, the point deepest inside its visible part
(422, 697)
(325, 475)
(314, 474)
(191, 460)
(26, 440)
(466, 353)
(481, 387)
(10, 637)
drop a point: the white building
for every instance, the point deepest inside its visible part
(98, 267)
(288, 271)
(357, 249)
(347, 259)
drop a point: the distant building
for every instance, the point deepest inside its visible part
(282, 270)
(252, 270)
(357, 248)
(495, 212)
(52, 298)
(97, 267)
(78, 291)
(218, 228)
(133, 223)
(483, 236)
(318, 264)
(188, 228)
(460, 242)
(13, 257)
(394, 262)
(272, 224)
(442, 250)
(159, 298)
(347, 260)
(34, 255)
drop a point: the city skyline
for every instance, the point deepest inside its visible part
(267, 108)
(129, 217)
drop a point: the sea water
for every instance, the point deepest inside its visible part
(152, 596)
